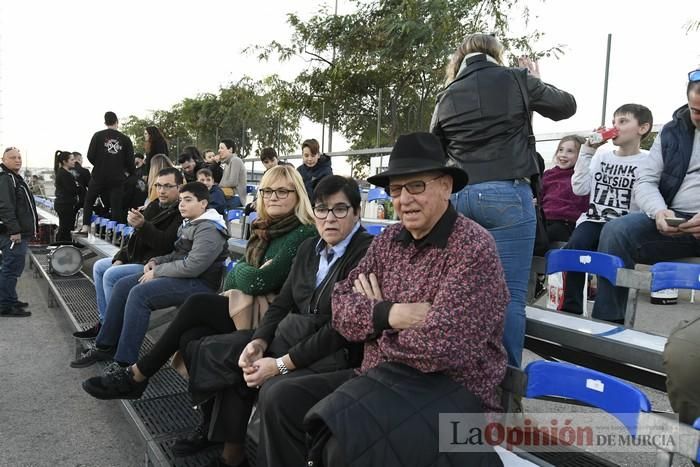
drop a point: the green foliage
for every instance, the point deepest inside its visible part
(648, 140)
(255, 114)
(400, 47)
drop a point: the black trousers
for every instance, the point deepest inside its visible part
(233, 405)
(585, 237)
(560, 231)
(201, 315)
(111, 193)
(283, 402)
(66, 221)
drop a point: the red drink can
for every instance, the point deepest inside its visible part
(603, 135)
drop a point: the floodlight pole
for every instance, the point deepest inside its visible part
(605, 85)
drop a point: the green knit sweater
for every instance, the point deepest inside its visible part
(260, 281)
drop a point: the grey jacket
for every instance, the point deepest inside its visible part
(200, 250)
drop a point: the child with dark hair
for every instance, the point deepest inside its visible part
(216, 195)
(194, 266)
(315, 165)
(608, 177)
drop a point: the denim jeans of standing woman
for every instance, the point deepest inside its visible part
(505, 209)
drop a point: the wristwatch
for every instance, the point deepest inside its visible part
(281, 367)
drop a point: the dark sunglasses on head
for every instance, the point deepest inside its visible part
(11, 148)
(694, 76)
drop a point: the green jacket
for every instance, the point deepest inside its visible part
(260, 281)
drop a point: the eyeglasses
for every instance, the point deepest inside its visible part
(281, 193)
(167, 186)
(340, 211)
(694, 75)
(415, 188)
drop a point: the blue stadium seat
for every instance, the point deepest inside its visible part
(377, 194)
(250, 189)
(696, 425)
(251, 217)
(675, 276)
(620, 399)
(234, 214)
(603, 264)
(375, 229)
(128, 230)
(229, 263)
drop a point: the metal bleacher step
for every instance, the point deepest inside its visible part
(165, 411)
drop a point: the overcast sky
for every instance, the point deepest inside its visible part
(62, 64)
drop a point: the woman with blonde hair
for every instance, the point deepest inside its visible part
(158, 163)
(483, 120)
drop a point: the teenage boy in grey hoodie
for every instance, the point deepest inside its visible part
(194, 266)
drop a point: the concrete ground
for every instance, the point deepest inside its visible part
(46, 419)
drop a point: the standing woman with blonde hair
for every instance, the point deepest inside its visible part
(482, 118)
(158, 163)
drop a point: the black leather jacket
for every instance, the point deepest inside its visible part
(482, 121)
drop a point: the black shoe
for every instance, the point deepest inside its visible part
(193, 443)
(14, 312)
(92, 356)
(117, 383)
(89, 333)
(19, 304)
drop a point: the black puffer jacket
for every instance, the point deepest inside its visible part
(17, 209)
(390, 417)
(482, 120)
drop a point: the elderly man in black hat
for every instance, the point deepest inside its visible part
(428, 302)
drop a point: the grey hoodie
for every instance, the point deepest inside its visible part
(200, 250)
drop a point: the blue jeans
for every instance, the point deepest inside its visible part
(505, 209)
(105, 276)
(129, 310)
(584, 237)
(634, 239)
(12, 267)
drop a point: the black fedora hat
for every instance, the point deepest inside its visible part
(417, 153)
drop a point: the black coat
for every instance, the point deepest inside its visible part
(391, 417)
(482, 120)
(155, 238)
(300, 295)
(17, 207)
(67, 188)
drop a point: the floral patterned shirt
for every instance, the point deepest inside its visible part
(456, 268)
